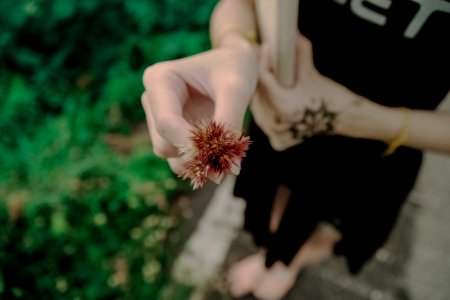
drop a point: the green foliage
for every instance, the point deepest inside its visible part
(79, 220)
(82, 217)
(62, 45)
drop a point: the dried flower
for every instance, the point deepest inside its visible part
(215, 148)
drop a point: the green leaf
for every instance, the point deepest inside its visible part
(63, 9)
(59, 223)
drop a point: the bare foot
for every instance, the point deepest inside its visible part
(280, 279)
(317, 248)
(245, 274)
(276, 282)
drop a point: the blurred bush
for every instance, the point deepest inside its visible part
(85, 205)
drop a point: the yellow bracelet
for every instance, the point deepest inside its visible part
(248, 34)
(401, 138)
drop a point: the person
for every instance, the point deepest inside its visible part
(333, 158)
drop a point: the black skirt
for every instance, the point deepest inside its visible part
(336, 179)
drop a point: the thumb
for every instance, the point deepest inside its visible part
(230, 110)
(304, 54)
(266, 74)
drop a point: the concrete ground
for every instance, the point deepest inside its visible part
(414, 264)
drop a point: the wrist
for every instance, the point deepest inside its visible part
(241, 47)
(236, 40)
(369, 120)
(234, 36)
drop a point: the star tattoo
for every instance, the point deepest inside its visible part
(314, 122)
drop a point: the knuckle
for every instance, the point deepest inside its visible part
(161, 151)
(235, 81)
(308, 44)
(176, 166)
(162, 125)
(156, 71)
(148, 74)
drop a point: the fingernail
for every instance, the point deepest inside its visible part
(216, 178)
(235, 169)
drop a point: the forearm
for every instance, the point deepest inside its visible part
(426, 130)
(232, 14)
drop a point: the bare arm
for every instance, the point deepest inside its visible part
(282, 113)
(213, 85)
(232, 14)
(427, 130)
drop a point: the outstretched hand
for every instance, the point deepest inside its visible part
(290, 115)
(214, 85)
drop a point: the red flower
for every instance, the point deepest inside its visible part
(215, 148)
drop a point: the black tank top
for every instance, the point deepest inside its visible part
(394, 52)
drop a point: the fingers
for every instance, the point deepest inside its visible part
(163, 105)
(189, 90)
(231, 104)
(266, 74)
(176, 164)
(269, 88)
(279, 137)
(305, 61)
(163, 101)
(273, 95)
(277, 107)
(161, 147)
(233, 95)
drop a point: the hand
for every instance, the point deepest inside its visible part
(290, 115)
(217, 84)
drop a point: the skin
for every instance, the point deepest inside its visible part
(221, 84)
(279, 107)
(217, 84)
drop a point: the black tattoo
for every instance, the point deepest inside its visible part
(314, 122)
